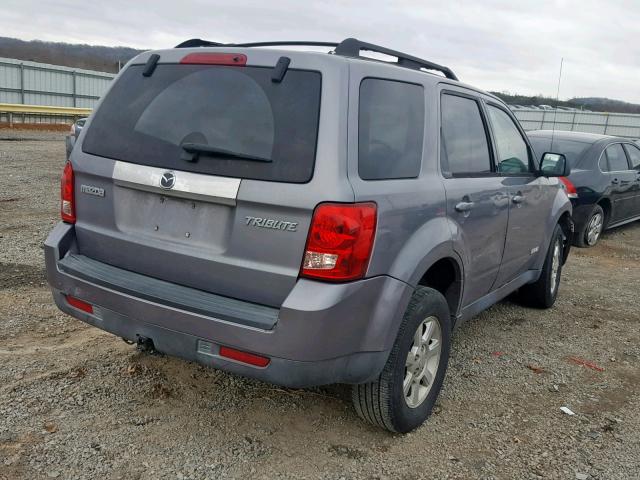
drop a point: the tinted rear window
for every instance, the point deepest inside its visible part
(634, 155)
(145, 120)
(616, 159)
(390, 129)
(571, 149)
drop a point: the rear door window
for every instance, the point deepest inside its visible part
(634, 155)
(513, 154)
(148, 120)
(390, 129)
(464, 145)
(616, 158)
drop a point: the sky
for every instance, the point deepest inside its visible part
(511, 46)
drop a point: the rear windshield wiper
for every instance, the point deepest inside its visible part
(193, 150)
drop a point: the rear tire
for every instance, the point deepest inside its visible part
(543, 292)
(402, 397)
(590, 233)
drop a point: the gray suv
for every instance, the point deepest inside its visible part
(304, 218)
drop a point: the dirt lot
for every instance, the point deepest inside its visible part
(78, 403)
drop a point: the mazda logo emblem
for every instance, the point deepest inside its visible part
(168, 180)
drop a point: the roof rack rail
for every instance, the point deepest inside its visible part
(295, 43)
(350, 47)
(196, 42)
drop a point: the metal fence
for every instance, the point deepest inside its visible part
(618, 124)
(15, 114)
(41, 84)
(32, 83)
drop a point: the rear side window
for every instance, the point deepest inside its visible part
(634, 155)
(147, 120)
(616, 160)
(513, 154)
(390, 129)
(465, 149)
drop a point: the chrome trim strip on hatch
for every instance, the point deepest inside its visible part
(195, 186)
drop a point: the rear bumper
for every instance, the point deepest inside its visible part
(323, 333)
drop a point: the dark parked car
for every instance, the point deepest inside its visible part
(604, 184)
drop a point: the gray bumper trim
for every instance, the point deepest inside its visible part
(169, 294)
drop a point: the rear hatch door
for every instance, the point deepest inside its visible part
(209, 173)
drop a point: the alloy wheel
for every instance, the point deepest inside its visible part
(594, 229)
(555, 265)
(422, 362)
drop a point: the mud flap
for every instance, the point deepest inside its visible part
(568, 233)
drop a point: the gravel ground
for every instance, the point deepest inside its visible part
(78, 403)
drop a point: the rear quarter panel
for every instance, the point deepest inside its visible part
(561, 205)
(413, 231)
(591, 183)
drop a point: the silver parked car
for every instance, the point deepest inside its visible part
(70, 139)
(305, 218)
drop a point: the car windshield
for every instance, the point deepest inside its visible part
(149, 120)
(572, 149)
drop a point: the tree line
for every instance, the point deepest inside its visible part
(595, 104)
(109, 59)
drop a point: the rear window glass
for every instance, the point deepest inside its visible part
(147, 120)
(571, 149)
(634, 155)
(616, 159)
(390, 129)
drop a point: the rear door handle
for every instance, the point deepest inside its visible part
(518, 199)
(615, 181)
(464, 206)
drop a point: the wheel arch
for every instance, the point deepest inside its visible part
(568, 229)
(428, 252)
(561, 212)
(446, 276)
(605, 204)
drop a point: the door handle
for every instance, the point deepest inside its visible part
(464, 206)
(615, 181)
(518, 199)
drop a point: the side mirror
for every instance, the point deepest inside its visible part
(554, 165)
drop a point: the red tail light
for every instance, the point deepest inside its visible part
(340, 241)
(244, 357)
(79, 304)
(67, 206)
(237, 59)
(569, 187)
